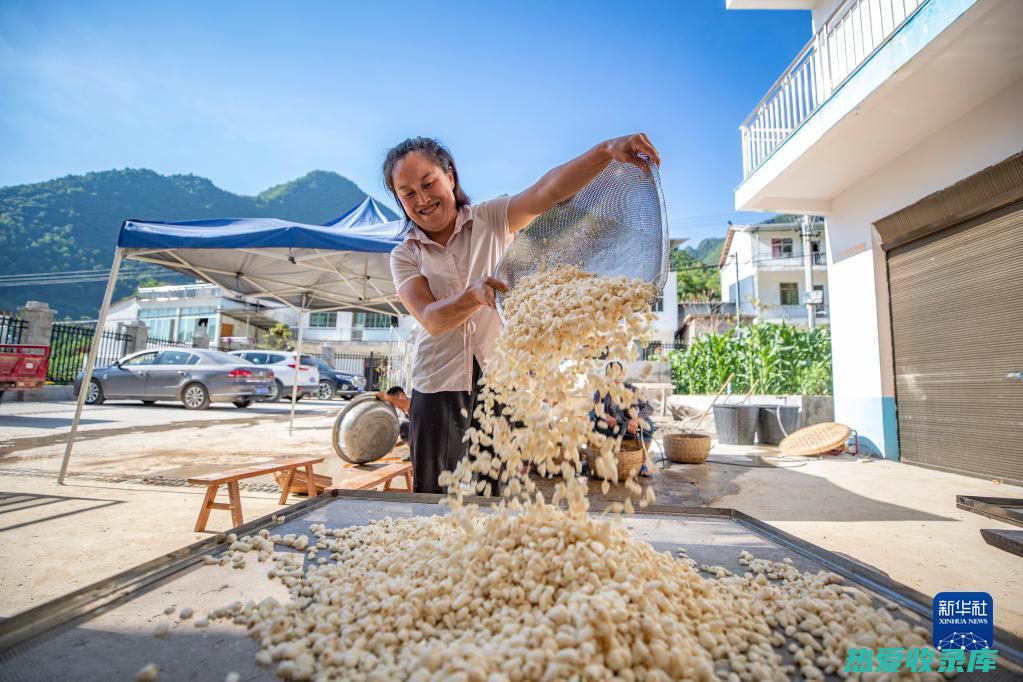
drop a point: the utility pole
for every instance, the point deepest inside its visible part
(735, 257)
(811, 312)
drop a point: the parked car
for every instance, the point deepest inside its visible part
(334, 382)
(283, 365)
(194, 376)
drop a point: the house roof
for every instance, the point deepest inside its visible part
(726, 246)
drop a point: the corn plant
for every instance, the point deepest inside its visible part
(776, 358)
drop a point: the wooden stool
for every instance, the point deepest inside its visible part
(231, 478)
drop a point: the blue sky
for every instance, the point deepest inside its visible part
(251, 94)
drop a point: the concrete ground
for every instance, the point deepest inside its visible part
(125, 503)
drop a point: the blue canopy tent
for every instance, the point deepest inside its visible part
(367, 219)
(305, 267)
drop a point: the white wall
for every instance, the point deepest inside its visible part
(666, 322)
(860, 322)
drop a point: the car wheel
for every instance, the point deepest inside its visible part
(242, 403)
(276, 391)
(95, 394)
(326, 391)
(148, 402)
(195, 397)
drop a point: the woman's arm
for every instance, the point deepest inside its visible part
(564, 181)
(448, 313)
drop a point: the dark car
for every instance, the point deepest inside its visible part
(333, 382)
(195, 377)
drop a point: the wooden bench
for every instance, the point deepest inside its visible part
(215, 480)
(371, 479)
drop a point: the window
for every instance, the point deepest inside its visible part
(144, 359)
(177, 357)
(374, 320)
(658, 305)
(323, 320)
(781, 248)
(255, 358)
(789, 293)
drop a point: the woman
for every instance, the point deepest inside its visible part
(442, 272)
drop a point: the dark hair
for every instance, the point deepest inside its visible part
(395, 390)
(436, 153)
(612, 364)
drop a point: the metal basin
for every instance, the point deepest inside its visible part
(365, 430)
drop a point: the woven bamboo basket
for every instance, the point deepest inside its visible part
(298, 482)
(686, 448)
(816, 439)
(630, 459)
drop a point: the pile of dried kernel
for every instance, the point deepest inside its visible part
(539, 590)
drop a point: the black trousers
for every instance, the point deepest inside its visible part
(436, 428)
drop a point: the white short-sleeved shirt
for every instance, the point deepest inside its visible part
(443, 362)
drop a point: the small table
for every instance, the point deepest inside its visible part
(666, 389)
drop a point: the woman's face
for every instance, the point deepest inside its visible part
(426, 192)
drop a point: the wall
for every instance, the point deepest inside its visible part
(666, 323)
(742, 249)
(768, 287)
(860, 323)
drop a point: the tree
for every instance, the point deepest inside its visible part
(696, 281)
(278, 338)
(148, 281)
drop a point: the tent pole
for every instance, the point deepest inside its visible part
(91, 362)
(298, 368)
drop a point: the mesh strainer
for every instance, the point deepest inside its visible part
(615, 225)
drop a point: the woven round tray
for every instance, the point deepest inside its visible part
(298, 486)
(630, 459)
(813, 440)
(686, 448)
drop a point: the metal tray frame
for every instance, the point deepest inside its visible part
(998, 508)
(26, 629)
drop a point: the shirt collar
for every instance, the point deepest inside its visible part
(463, 219)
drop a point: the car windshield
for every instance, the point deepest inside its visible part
(309, 360)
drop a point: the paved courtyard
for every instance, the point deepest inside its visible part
(125, 500)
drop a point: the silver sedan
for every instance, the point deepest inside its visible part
(193, 376)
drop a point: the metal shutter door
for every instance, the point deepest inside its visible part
(957, 326)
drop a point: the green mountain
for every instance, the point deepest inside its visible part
(71, 223)
(707, 251)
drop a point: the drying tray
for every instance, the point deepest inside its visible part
(104, 631)
(1007, 509)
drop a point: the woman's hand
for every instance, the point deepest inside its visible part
(633, 426)
(628, 148)
(483, 290)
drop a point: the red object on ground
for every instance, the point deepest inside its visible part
(23, 366)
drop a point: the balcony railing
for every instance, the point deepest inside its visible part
(856, 30)
(794, 260)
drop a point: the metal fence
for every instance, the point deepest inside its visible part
(657, 350)
(153, 343)
(69, 347)
(372, 366)
(11, 329)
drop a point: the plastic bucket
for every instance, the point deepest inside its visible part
(770, 430)
(736, 424)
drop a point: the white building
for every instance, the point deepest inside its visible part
(176, 313)
(763, 269)
(666, 313)
(902, 123)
